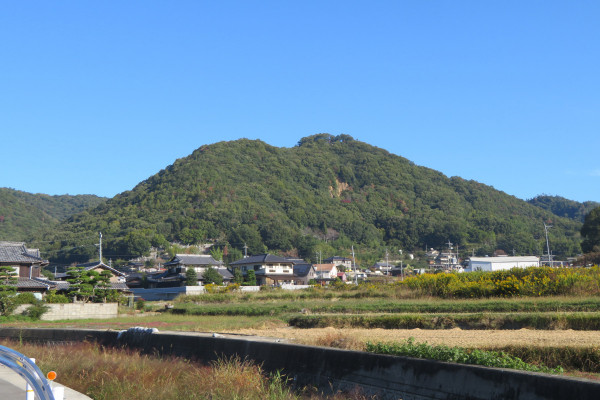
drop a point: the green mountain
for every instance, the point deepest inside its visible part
(564, 207)
(327, 192)
(23, 215)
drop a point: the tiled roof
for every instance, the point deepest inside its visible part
(324, 267)
(17, 252)
(193, 260)
(26, 283)
(261, 259)
(301, 270)
(97, 264)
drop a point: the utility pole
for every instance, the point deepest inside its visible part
(100, 247)
(548, 243)
(354, 267)
(401, 265)
(245, 250)
(387, 262)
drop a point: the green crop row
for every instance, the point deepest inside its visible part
(541, 321)
(460, 355)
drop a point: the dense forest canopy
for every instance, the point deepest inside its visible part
(564, 207)
(327, 192)
(24, 214)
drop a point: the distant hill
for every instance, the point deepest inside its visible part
(24, 214)
(564, 207)
(328, 192)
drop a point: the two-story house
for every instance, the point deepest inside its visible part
(336, 260)
(268, 268)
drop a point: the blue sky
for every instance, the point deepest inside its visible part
(98, 96)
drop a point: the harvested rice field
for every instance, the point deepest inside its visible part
(449, 337)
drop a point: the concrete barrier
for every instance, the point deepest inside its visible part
(76, 311)
(387, 377)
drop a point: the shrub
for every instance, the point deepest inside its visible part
(36, 310)
(25, 298)
(53, 298)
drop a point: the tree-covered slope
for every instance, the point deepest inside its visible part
(24, 214)
(564, 207)
(325, 188)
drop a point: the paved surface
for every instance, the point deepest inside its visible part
(12, 387)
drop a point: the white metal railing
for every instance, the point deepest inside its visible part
(23, 366)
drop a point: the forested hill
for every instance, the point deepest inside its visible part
(564, 207)
(24, 214)
(326, 191)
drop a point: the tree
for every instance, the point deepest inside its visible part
(191, 277)
(591, 232)
(216, 253)
(211, 275)
(250, 278)
(237, 276)
(82, 283)
(8, 288)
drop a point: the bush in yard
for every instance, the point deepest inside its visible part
(53, 298)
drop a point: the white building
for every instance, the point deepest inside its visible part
(500, 263)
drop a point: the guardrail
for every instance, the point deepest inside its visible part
(23, 366)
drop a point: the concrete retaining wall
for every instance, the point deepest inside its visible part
(387, 377)
(76, 311)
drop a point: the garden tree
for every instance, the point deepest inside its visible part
(216, 253)
(237, 276)
(8, 288)
(83, 284)
(590, 231)
(211, 275)
(102, 288)
(191, 277)
(250, 278)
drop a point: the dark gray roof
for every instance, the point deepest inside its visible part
(224, 272)
(193, 260)
(301, 270)
(296, 261)
(16, 252)
(261, 259)
(97, 264)
(27, 283)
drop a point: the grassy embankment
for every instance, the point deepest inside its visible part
(112, 374)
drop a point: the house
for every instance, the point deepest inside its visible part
(268, 268)
(98, 266)
(181, 262)
(336, 260)
(384, 267)
(27, 263)
(304, 273)
(326, 273)
(500, 263)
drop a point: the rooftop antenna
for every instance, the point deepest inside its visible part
(548, 243)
